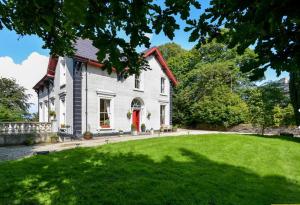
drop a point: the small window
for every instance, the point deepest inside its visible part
(162, 114)
(105, 115)
(162, 85)
(137, 82)
(62, 112)
(62, 73)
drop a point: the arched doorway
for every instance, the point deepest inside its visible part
(136, 107)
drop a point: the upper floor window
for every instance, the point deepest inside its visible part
(162, 85)
(62, 72)
(137, 82)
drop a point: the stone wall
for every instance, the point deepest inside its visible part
(247, 128)
(21, 138)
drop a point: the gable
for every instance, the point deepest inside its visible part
(86, 52)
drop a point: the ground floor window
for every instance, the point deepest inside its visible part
(162, 114)
(62, 113)
(105, 113)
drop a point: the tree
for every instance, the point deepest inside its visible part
(222, 107)
(263, 102)
(283, 116)
(272, 27)
(13, 102)
(199, 85)
(116, 27)
(169, 50)
(294, 86)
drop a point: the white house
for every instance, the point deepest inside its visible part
(85, 97)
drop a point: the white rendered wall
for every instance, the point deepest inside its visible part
(122, 93)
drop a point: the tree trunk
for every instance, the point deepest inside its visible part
(294, 87)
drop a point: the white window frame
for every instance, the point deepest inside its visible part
(63, 73)
(160, 116)
(107, 95)
(41, 112)
(163, 85)
(141, 82)
(46, 111)
(62, 111)
(137, 78)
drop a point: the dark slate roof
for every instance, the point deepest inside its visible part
(84, 48)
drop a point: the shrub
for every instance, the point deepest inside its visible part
(54, 138)
(143, 127)
(128, 114)
(52, 113)
(222, 107)
(283, 116)
(133, 127)
(29, 141)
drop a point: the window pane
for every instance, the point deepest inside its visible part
(162, 114)
(137, 81)
(162, 88)
(105, 113)
(101, 105)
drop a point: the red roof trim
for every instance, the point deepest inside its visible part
(50, 71)
(53, 60)
(41, 82)
(154, 51)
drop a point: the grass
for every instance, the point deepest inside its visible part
(204, 169)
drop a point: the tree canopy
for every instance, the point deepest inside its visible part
(116, 27)
(13, 102)
(213, 92)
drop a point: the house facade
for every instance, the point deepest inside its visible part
(81, 96)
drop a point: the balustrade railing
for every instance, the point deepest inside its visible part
(24, 127)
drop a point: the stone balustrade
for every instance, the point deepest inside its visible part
(24, 127)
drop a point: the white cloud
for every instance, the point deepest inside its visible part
(27, 73)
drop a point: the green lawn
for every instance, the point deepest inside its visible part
(204, 169)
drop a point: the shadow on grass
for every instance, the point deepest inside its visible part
(89, 176)
(286, 138)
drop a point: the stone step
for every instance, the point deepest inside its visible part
(67, 139)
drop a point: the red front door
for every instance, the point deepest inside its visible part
(136, 119)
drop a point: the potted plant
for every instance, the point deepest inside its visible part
(152, 131)
(52, 114)
(143, 127)
(148, 115)
(54, 138)
(128, 114)
(174, 128)
(88, 135)
(133, 129)
(105, 124)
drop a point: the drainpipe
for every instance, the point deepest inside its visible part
(86, 98)
(48, 100)
(38, 94)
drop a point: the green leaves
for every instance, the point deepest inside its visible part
(13, 101)
(117, 27)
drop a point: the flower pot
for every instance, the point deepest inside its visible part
(152, 132)
(105, 126)
(134, 133)
(88, 136)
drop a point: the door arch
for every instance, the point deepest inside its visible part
(137, 105)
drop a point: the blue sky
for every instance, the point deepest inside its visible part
(17, 52)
